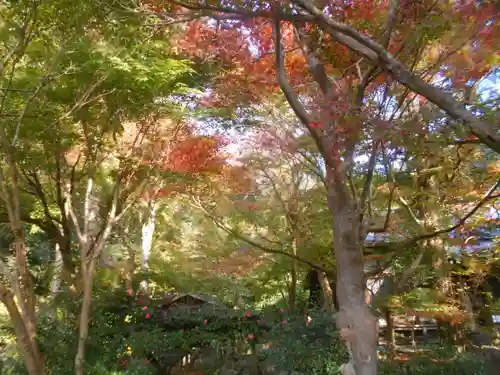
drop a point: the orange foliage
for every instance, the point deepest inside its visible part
(196, 154)
(237, 179)
(166, 146)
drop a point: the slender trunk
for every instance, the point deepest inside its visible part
(67, 266)
(148, 230)
(87, 275)
(24, 285)
(467, 303)
(56, 277)
(292, 296)
(129, 269)
(327, 292)
(26, 343)
(389, 333)
(358, 326)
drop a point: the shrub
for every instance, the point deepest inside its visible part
(313, 348)
(460, 364)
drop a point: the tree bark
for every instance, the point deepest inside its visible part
(327, 292)
(292, 295)
(358, 326)
(66, 250)
(148, 230)
(21, 280)
(354, 319)
(56, 277)
(87, 275)
(26, 343)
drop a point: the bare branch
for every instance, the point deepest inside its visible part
(313, 166)
(389, 201)
(410, 270)
(87, 203)
(386, 37)
(315, 66)
(408, 209)
(96, 250)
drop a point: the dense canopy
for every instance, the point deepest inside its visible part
(236, 186)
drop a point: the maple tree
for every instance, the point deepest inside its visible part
(106, 154)
(280, 218)
(342, 115)
(66, 93)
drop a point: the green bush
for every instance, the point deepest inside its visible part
(129, 335)
(461, 364)
(312, 348)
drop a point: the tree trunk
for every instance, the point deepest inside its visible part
(25, 286)
(87, 275)
(67, 266)
(389, 333)
(356, 322)
(292, 295)
(21, 280)
(26, 343)
(148, 230)
(56, 277)
(327, 292)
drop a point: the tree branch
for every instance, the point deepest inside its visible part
(391, 19)
(386, 37)
(488, 196)
(412, 241)
(377, 54)
(216, 221)
(369, 178)
(285, 86)
(241, 13)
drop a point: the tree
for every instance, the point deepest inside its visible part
(285, 213)
(343, 118)
(331, 20)
(82, 79)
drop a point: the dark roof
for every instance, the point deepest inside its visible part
(170, 298)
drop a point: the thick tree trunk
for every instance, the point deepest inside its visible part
(354, 319)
